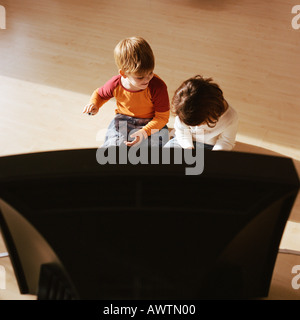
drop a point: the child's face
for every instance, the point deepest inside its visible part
(139, 81)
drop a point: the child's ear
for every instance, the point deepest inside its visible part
(122, 73)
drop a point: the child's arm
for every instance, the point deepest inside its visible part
(161, 106)
(183, 134)
(226, 140)
(94, 104)
(100, 96)
(158, 122)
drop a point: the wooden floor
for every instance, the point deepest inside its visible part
(54, 53)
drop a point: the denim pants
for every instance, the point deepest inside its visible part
(122, 126)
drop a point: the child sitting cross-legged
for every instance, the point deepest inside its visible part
(142, 101)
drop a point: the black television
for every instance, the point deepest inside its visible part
(77, 229)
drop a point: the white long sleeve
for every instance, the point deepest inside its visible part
(183, 134)
(222, 136)
(226, 140)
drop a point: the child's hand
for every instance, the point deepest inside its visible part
(138, 136)
(90, 109)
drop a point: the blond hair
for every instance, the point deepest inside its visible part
(134, 55)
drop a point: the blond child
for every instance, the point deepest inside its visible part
(142, 101)
(199, 106)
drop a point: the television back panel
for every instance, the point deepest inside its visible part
(150, 231)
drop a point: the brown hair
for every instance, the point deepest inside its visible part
(198, 101)
(134, 55)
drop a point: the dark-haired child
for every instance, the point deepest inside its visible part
(199, 106)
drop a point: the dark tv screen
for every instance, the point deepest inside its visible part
(76, 229)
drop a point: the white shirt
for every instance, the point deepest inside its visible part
(221, 136)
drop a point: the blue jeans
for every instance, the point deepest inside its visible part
(173, 143)
(122, 126)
